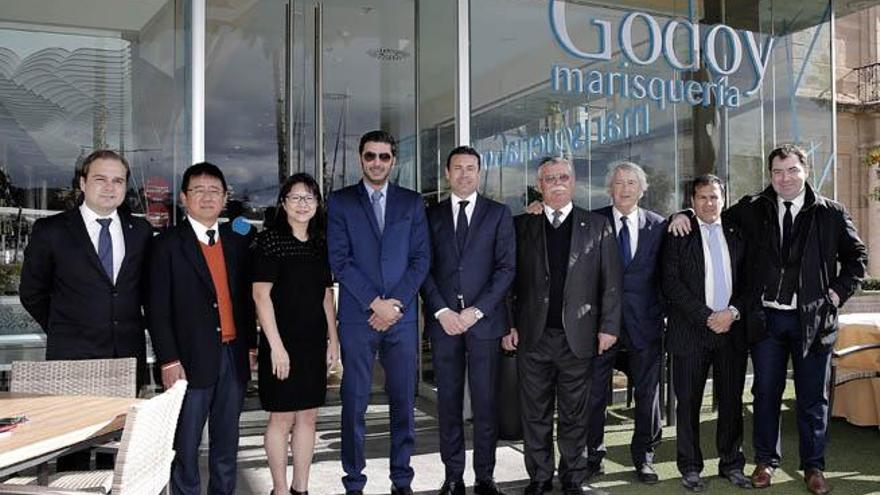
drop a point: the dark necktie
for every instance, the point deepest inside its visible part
(211, 233)
(787, 222)
(624, 242)
(376, 199)
(556, 220)
(461, 226)
(105, 246)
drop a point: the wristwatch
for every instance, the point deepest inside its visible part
(478, 314)
(735, 312)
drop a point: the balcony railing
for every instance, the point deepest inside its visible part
(869, 83)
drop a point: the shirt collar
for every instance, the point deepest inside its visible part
(797, 201)
(370, 189)
(704, 224)
(565, 210)
(89, 215)
(202, 231)
(470, 199)
(632, 216)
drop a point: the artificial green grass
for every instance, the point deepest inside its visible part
(852, 458)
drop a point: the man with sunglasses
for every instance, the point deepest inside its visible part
(379, 251)
(567, 309)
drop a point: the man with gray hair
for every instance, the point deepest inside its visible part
(566, 309)
(639, 234)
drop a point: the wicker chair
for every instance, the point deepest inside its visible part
(108, 377)
(143, 465)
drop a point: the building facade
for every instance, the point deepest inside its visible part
(266, 88)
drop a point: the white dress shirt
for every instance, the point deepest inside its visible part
(202, 231)
(796, 204)
(707, 261)
(632, 224)
(468, 210)
(90, 218)
(565, 210)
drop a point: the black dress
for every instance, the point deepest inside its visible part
(300, 276)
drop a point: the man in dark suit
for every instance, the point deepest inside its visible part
(473, 261)
(380, 252)
(81, 278)
(567, 308)
(703, 282)
(203, 328)
(639, 234)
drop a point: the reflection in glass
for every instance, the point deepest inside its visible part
(70, 84)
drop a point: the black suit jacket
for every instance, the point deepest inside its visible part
(183, 313)
(482, 274)
(593, 283)
(642, 301)
(63, 286)
(684, 286)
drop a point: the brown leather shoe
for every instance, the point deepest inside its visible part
(816, 482)
(761, 475)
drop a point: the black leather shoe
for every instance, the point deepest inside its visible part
(738, 479)
(594, 469)
(487, 488)
(401, 491)
(647, 474)
(693, 482)
(538, 487)
(452, 488)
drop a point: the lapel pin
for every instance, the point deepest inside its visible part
(583, 224)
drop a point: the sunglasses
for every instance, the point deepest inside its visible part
(551, 179)
(383, 157)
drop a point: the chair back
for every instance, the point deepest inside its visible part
(107, 377)
(143, 464)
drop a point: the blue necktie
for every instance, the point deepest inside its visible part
(105, 246)
(377, 209)
(623, 242)
(721, 296)
(461, 225)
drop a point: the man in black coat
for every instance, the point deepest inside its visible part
(465, 295)
(81, 278)
(706, 293)
(805, 260)
(567, 309)
(203, 328)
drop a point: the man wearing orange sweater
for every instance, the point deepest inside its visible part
(203, 328)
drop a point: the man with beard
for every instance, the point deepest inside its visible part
(379, 251)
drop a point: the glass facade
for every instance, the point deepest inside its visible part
(682, 88)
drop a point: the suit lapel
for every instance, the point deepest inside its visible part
(189, 244)
(476, 219)
(229, 258)
(78, 227)
(696, 248)
(733, 250)
(367, 205)
(580, 227)
(643, 228)
(536, 226)
(392, 208)
(128, 237)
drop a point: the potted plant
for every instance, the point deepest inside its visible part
(872, 161)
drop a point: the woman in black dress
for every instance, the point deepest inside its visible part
(294, 299)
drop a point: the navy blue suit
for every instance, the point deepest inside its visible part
(641, 339)
(481, 274)
(390, 264)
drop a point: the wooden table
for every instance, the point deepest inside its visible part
(57, 424)
(859, 401)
